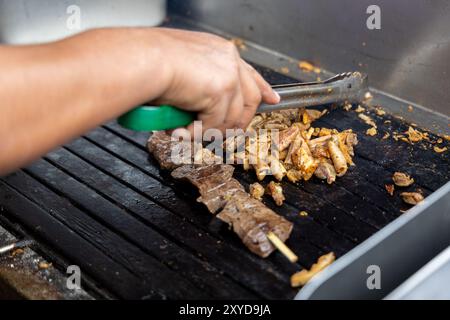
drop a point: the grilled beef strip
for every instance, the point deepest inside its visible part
(169, 153)
(216, 198)
(198, 175)
(252, 220)
(215, 183)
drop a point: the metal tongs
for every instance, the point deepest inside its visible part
(349, 87)
(345, 87)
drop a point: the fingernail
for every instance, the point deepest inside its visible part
(277, 95)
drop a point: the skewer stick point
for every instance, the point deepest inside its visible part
(282, 247)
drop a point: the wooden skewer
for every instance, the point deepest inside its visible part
(283, 248)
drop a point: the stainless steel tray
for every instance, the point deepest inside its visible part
(397, 251)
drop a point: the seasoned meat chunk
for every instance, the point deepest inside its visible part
(301, 278)
(412, 198)
(339, 161)
(169, 153)
(276, 192)
(215, 198)
(326, 171)
(286, 137)
(256, 191)
(209, 175)
(214, 182)
(402, 179)
(252, 220)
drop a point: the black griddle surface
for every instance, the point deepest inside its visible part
(102, 203)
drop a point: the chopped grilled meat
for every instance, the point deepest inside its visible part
(294, 146)
(256, 191)
(275, 121)
(322, 141)
(372, 132)
(252, 220)
(319, 147)
(206, 156)
(301, 126)
(303, 160)
(289, 115)
(301, 278)
(242, 158)
(402, 179)
(294, 175)
(415, 135)
(347, 106)
(367, 97)
(283, 154)
(323, 132)
(169, 153)
(310, 115)
(275, 125)
(390, 188)
(286, 137)
(262, 169)
(351, 140)
(339, 161)
(239, 43)
(360, 109)
(276, 192)
(307, 134)
(380, 112)
(368, 120)
(412, 198)
(294, 153)
(346, 145)
(326, 170)
(256, 121)
(277, 169)
(251, 147)
(438, 149)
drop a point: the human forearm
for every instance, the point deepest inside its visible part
(52, 93)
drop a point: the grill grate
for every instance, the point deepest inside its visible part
(102, 203)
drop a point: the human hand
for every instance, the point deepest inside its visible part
(208, 76)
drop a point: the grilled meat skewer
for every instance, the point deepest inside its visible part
(249, 218)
